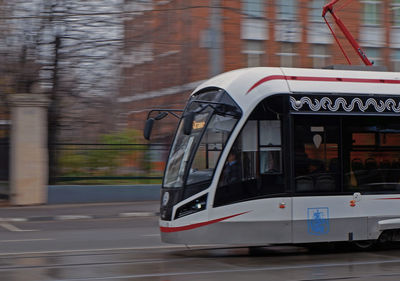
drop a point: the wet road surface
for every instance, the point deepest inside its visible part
(130, 249)
(202, 264)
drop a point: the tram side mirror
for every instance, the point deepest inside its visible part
(188, 123)
(148, 128)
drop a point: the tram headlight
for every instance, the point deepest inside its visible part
(194, 206)
(165, 198)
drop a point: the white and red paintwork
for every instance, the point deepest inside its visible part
(284, 220)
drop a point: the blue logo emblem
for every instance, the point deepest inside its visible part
(318, 220)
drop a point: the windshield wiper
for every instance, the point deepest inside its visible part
(218, 107)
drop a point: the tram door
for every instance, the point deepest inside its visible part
(321, 211)
(371, 157)
(253, 178)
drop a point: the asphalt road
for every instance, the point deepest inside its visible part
(130, 249)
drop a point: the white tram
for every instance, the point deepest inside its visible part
(284, 155)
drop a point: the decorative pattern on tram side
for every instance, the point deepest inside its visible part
(340, 103)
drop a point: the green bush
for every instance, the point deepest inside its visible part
(114, 151)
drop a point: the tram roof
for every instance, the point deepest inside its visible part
(250, 85)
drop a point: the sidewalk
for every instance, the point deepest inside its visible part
(79, 211)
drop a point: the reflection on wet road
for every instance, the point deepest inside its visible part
(274, 263)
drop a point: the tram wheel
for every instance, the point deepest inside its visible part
(365, 244)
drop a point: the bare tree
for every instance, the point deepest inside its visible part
(71, 49)
(74, 46)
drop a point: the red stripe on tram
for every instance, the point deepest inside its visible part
(196, 225)
(266, 79)
(322, 79)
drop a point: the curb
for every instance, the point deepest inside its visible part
(80, 217)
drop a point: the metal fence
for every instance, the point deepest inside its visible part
(81, 163)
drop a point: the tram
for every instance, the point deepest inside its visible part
(284, 155)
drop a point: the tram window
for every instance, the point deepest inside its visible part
(363, 138)
(270, 160)
(372, 153)
(316, 155)
(210, 148)
(389, 139)
(248, 147)
(252, 170)
(270, 146)
(270, 132)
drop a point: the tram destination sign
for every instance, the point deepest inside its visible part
(344, 104)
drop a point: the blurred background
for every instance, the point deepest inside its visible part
(105, 63)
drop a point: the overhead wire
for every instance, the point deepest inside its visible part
(149, 34)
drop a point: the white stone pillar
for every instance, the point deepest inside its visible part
(28, 155)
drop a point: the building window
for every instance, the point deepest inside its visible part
(287, 9)
(253, 8)
(372, 12)
(320, 55)
(374, 55)
(396, 60)
(287, 55)
(316, 10)
(254, 50)
(396, 12)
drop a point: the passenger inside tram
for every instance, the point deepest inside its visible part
(232, 169)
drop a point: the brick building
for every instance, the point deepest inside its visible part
(173, 45)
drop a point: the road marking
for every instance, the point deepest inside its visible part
(13, 228)
(137, 214)
(13, 219)
(26, 240)
(73, 217)
(151, 235)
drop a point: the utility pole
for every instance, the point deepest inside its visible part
(216, 52)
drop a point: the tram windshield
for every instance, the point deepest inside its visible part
(194, 156)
